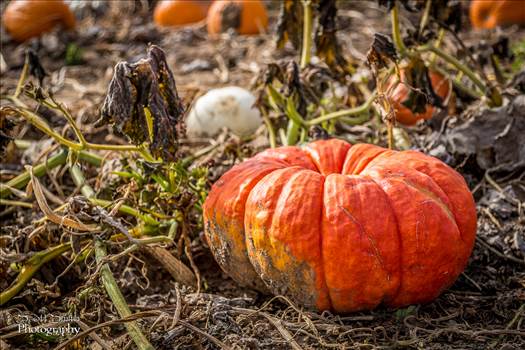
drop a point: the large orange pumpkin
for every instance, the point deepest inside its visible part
(169, 13)
(400, 93)
(341, 227)
(245, 16)
(25, 19)
(487, 14)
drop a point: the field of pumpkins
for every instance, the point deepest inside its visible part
(262, 174)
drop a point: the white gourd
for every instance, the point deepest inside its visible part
(230, 107)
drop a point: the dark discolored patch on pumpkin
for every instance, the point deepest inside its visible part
(224, 250)
(231, 17)
(295, 282)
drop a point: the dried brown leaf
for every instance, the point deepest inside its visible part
(142, 103)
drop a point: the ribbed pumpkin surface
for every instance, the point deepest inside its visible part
(341, 227)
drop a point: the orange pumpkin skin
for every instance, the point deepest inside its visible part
(488, 14)
(245, 16)
(400, 93)
(170, 13)
(25, 19)
(341, 227)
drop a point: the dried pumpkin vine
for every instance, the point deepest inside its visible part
(163, 194)
(299, 91)
(285, 90)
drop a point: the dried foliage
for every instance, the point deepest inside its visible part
(35, 67)
(327, 47)
(326, 43)
(290, 26)
(142, 103)
(6, 130)
(381, 53)
(421, 92)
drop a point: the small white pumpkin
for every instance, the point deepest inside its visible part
(230, 107)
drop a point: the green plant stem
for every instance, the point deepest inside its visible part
(269, 127)
(58, 159)
(69, 119)
(292, 133)
(492, 93)
(294, 124)
(89, 193)
(307, 34)
(424, 18)
(118, 299)
(345, 113)
(396, 32)
(30, 268)
(7, 202)
(42, 125)
(23, 77)
(203, 151)
(456, 63)
(437, 44)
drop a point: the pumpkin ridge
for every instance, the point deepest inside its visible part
(318, 279)
(321, 214)
(363, 231)
(452, 212)
(399, 238)
(312, 160)
(447, 172)
(448, 210)
(431, 195)
(220, 230)
(377, 159)
(284, 247)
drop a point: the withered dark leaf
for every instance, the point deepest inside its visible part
(294, 86)
(290, 26)
(447, 14)
(35, 67)
(284, 76)
(381, 52)
(421, 92)
(142, 103)
(327, 46)
(6, 129)
(501, 49)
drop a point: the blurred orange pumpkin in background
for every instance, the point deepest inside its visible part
(487, 14)
(245, 16)
(25, 19)
(399, 94)
(169, 13)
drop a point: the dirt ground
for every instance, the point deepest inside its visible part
(484, 309)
